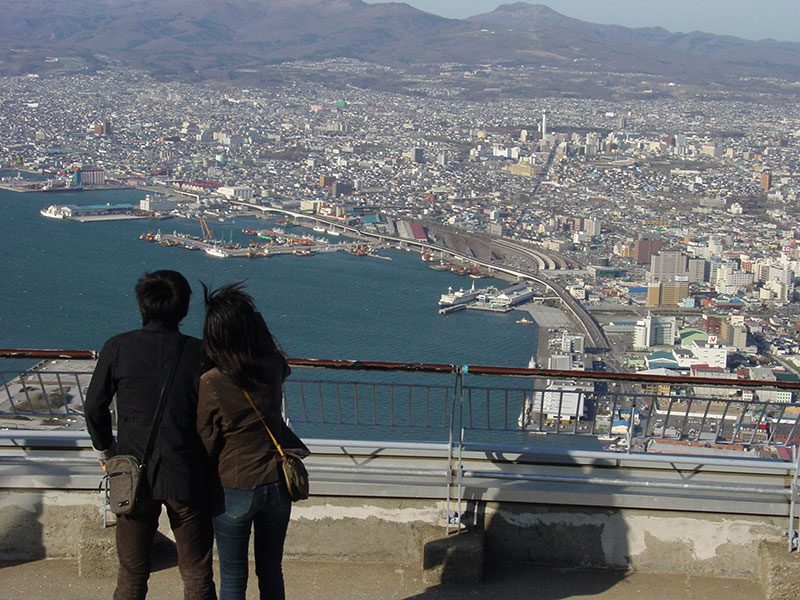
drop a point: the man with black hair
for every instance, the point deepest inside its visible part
(134, 366)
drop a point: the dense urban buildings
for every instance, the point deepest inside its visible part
(670, 211)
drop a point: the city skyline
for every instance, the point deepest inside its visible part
(740, 18)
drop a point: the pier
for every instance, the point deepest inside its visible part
(221, 249)
(488, 299)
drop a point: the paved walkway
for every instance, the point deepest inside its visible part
(58, 580)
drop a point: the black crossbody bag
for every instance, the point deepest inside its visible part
(124, 472)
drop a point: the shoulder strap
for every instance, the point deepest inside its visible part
(263, 422)
(162, 403)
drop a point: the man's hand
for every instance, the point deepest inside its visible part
(103, 465)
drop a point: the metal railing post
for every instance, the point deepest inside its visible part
(792, 533)
(453, 461)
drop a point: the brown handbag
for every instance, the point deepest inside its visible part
(295, 475)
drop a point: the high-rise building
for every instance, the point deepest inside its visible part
(766, 180)
(544, 123)
(103, 128)
(644, 248)
(653, 294)
(730, 279)
(592, 226)
(733, 334)
(780, 281)
(342, 187)
(654, 331)
(668, 265)
(666, 293)
(697, 270)
(415, 155)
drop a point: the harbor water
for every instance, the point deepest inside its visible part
(70, 285)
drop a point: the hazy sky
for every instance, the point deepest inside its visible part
(752, 19)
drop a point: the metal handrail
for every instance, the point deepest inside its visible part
(456, 470)
(367, 365)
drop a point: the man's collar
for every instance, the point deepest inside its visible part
(159, 326)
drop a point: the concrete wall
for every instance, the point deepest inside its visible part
(37, 524)
(636, 539)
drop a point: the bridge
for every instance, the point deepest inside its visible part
(435, 459)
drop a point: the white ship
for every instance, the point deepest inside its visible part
(217, 252)
(53, 212)
(460, 296)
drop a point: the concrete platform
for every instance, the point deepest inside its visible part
(58, 579)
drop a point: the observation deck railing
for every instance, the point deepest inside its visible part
(708, 444)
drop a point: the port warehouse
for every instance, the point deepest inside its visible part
(374, 499)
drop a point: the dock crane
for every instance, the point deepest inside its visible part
(205, 229)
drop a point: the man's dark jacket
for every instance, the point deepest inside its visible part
(135, 366)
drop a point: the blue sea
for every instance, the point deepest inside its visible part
(70, 285)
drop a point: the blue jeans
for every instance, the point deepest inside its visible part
(267, 507)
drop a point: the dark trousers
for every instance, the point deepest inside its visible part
(266, 509)
(191, 526)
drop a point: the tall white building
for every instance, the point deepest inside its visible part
(654, 331)
(730, 279)
(592, 226)
(780, 280)
(158, 203)
(242, 193)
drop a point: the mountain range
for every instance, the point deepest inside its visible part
(213, 38)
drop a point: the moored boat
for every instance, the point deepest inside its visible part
(53, 212)
(217, 252)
